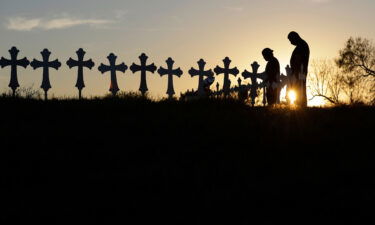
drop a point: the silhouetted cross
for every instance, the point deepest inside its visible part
(239, 81)
(46, 64)
(14, 62)
(143, 68)
(80, 64)
(170, 72)
(113, 68)
(284, 79)
(226, 71)
(254, 84)
(201, 73)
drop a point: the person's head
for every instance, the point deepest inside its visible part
(294, 38)
(267, 54)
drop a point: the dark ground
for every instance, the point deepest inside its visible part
(209, 162)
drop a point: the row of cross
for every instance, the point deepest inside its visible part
(170, 71)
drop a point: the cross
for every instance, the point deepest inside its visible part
(170, 72)
(226, 71)
(13, 62)
(46, 64)
(284, 79)
(201, 73)
(254, 84)
(143, 68)
(239, 81)
(113, 68)
(80, 64)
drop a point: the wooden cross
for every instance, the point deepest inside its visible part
(13, 62)
(80, 84)
(46, 64)
(170, 72)
(201, 73)
(226, 71)
(112, 67)
(285, 79)
(254, 84)
(143, 68)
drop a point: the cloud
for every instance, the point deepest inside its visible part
(69, 22)
(22, 24)
(25, 24)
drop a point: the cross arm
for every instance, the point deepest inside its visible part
(152, 68)
(104, 68)
(89, 64)
(55, 64)
(135, 68)
(5, 62)
(162, 71)
(23, 62)
(72, 63)
(263, 76)
(36, 64)
(178, 72)
(234, 71)
(208, 73)
(246, 74)
(219, 70)
(193, 72)
(122, 67)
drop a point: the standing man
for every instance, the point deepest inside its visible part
(273, 76)
(299, 60)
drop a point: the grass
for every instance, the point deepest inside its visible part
(137, 160)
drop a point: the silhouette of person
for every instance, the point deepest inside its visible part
(300, 58)
(273, 76)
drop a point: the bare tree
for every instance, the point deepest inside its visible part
(338, 86)
(325, 81)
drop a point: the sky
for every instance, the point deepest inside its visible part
(185, 30)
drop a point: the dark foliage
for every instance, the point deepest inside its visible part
(136, 161)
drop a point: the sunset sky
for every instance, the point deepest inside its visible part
(185, 30)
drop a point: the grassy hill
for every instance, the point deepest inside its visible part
(137, 161)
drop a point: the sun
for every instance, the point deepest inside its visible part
(292, 96)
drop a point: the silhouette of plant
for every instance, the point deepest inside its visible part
(336, 85)
(29, 92)
(325, 81)
(358, 55)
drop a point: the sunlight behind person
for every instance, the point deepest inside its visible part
(292, 97)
